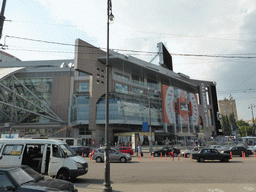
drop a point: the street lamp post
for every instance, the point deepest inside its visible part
(150, 128)
(106, 184)
(251, 107)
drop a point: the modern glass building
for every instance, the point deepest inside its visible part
(66, 98)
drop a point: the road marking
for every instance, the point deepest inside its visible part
(215, 190)
(249, 188)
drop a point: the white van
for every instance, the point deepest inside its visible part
(48, 157)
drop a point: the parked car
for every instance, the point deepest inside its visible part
(24, 178)
(189, 152)
(210, 154)
(82, 150)
(114, 156)
(218, 147)
(238, 151)
(125, 150)
(166, 150)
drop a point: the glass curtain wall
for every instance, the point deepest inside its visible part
(130, 109)
(26, 100)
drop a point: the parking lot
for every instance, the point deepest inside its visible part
(164, 174)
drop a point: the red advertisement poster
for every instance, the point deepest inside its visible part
(182, 107)
(194, 110)
(168, 105)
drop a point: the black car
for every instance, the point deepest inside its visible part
(166, 150)
(238, 151)
(82, 150)
(24, 178)
(210, 154)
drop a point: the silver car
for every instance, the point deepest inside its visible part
(114, 156)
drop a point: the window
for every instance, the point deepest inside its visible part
(83, 86)
(152, 83)
(82, 74)
(121, 76)
(13, 150)
(121, 88)
(137, 80)
(56, 151)
(136, 90)
(70, 142)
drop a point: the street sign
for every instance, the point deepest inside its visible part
(6, 125)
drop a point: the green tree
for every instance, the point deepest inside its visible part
(241, 123)
(232, 121)
(244, 128)
(225, 125)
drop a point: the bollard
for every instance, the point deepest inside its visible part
(184, 155)
(82, 154)
(191, 157)
(90, 156)
(165, 158)
(178, 157)
(231, 154)
(149, 155)
(152, 157)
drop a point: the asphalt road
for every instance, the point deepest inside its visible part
(164, 174)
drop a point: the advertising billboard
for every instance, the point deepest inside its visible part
(168, 104)
(182, 107)
(194, 110)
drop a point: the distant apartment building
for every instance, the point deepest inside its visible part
(228, 106)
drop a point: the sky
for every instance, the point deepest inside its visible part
(211, 40)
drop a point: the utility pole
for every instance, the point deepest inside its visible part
(2, 18)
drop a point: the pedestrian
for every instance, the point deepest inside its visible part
(171, 154)
(139, 150)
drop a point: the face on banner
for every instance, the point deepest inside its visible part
(183, 118)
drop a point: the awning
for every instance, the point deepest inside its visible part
(4, 72)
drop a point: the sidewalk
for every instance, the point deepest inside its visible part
(180, 187)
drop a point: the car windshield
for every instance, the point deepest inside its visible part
(33, 173)
(21, 176)
(68, 150)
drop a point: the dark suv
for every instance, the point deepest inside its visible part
(238, 151)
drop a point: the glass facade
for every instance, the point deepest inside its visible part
(28, 99)
(121, 88)
(130, 109)
(80, 108)
(83, 86)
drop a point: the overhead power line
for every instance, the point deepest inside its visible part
(230, 56)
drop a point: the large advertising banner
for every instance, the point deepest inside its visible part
(182, 107)
(168, 105)
(194, 110)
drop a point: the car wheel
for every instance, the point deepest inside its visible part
(98, 159)
(201, 160)
(188, 155)
(175, 154)
(155, 154)
(86, 154)
(225, 159)
(63, 175)
(122, 159)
